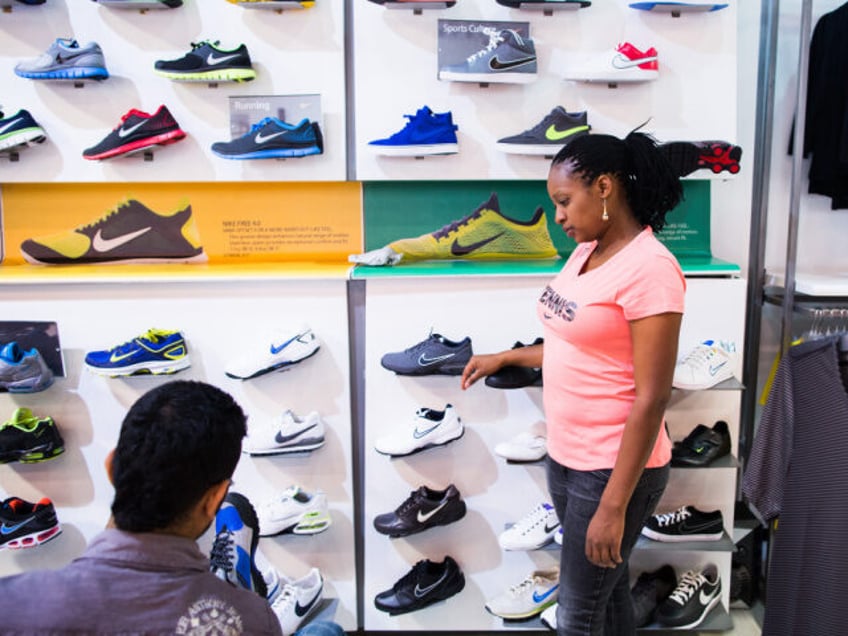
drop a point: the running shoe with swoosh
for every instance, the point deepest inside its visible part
(136, 132)
(298, 600)
(66, 59)
(130, 233)
(423, 509)
(294, 510)
(507, 58)
(436, 355)
(546, 138)
(23, 371)
(287, 433)
(233, 554)
(533, 531)
(687, 523)
(705, 365)
(27, 438)
(26, 525)
(426, 583)
(208, 62)
(19, 130)
(272, 138)
(696, 594)
(528, 598)
(429, 428)
(155, 352)
(624, 63)
(280, 350)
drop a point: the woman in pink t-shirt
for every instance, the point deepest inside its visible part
(611, 322)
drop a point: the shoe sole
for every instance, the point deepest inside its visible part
(222, 75)
(313, 523)
(23, 137)
(194, 258)
(141, 4)
(29, 385)
(248, 518)
(707, 609)
(144, 368)
(78, 73)
(415, 150)
(524, 615)
(33, 455)
(488, 78)
(140, 144)
(278, 153)
(432, 370)
(680, 538)
(282, 366)
(684, 386)
(303, 448)
(34, 539)
(688, 157)
(622, 77)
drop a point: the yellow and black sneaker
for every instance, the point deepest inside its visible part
(208, 62)
(156, 352)
(28, 439)
(131, 233)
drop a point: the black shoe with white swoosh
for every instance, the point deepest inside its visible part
(272, 138)
(207, 62)
(424, 508)
(696, 594)
(137, 131)
(426, 583)
(130, 233)
(434, 356)
(685, 524)
(19, 130)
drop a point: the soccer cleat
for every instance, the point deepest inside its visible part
(294, 510)
(26, 525)
(272, 138)
(705, 365)
(702, 446)
(19, 130)
(687, 157)
(507, 58)
(233, 552)
(512, 377)
(66, 60)
(687, 523)
(434, 356)
(546, 138)
(279, 350)
(426, 583)
(426, 133)
(625, 63)
(649, 591)
(23, 371)
(137, 131)
(27, 439)
(424, 508)
(533, 531)
(130, 233)
(142, 4)
(208, 62)
(524, 447)
(696, 594)
(289, 433)
(298, 600)
(156, 352)
(429, 428)
(529, 598)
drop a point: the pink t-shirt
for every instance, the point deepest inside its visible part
(589, 387)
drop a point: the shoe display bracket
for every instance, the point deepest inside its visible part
(140, 6)
(279, 6)
(418, 8)
(549, 9)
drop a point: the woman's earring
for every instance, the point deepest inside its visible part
(605, 216)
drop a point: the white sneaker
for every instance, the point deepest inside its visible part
(549, 616)
(534, 530)
(624, 63)
(524, 447)
(558, 536)
(298, 599)
(528, 598)
(429, 428)
(294, 510)
(705, 366)
(278, 350)
(288, 433)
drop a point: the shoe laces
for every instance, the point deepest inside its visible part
(522, 588)
(688, 585)
(494, 39)
(113, 212)
(410, 503)
(448, 229)
(286, 599)
(531, 520)
(197, 45)
(420, 345)
(701, 355)
(669, 518)
(151, 335)
(221, 554)
(414, 575)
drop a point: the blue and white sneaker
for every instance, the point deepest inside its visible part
(533, 531)
(156, 352)
(23, 371)
(279, 350)
(236, 537)
(426, 133)
(19, 130)
(434, 356)
(273, 138)
(507, 58)
(531, 597)
(66, 60)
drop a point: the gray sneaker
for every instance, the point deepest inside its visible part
(23, 371)
(434, 356)
(66, 60)
(507, 58)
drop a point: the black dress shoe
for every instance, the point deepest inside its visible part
(426, 583)
(512, 377)
(424, 508)
(702, 446)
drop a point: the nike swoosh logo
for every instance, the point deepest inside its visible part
(422, 517)
(276, 350)
(555, 135)
(551, 528)
(496, 65)
(715, 369)
(282, 439)
(116, 357)
(547, 316)
(261, 139)
(123, 132)
(303, 610)
(424, 361)
(417, 434)
(705, 598)
(423, 591)
(101, 244)
(539, 598)
(621, 61)
(463, 250)
(211, 60)
(6, 529)
(10, 124)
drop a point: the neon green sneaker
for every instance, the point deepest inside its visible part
(29, 439)
(207, 62)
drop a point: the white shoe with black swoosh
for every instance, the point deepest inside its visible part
(278, 350)
(289, 433)
(298, 600)
(429, 428)
(696, 594)
(533, 531)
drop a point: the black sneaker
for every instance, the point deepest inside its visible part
(19, 130)
(234, 549)
(137, 131)
(272, 138)
(685, 524)
(423, 509)
(688, 156)
(426, 583)
(516, 377)
(649, 591)
(693, 598)
(26, 525)
(555, 130)
(208, 62)
(702, 446)
(27, 438)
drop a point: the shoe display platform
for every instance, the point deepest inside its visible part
(137, 5)
(279, 5)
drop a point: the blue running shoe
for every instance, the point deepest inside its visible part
(234, 550)
(19, 130)
(426, 133)
(23, 371)
(66, 60)
(156, 352)
(272, 138)
(507, 58)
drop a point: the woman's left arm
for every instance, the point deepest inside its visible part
(654, 356)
